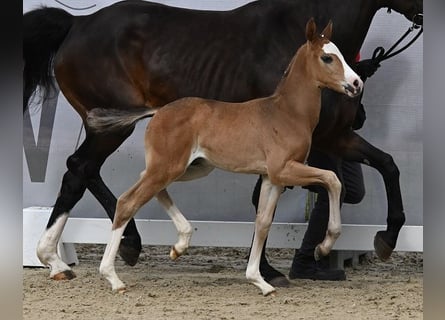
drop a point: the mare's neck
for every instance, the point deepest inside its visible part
(352, 19)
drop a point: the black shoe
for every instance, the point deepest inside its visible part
(305, 267)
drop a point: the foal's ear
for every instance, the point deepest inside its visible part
(327, 32)
(311, 29)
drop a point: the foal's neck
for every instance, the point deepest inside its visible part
(298, 92)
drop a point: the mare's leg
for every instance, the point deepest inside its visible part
(355, 148)
(83, 172)
(71, 191)
(269, 273)
(102, 146)
(184, 228)
(267, 202)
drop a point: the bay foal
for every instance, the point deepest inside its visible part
(269, 136)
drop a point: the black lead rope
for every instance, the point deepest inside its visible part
(380, 54)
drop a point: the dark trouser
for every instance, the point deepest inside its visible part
(350, 173)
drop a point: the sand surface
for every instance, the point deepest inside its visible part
(209, 283)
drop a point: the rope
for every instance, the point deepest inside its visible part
(380, 54)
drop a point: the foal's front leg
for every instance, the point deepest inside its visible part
(268, 200)
(297, 174)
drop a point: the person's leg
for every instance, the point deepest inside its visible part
(304, 265)
(353, 182)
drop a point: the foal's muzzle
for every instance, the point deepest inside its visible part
(354, 89)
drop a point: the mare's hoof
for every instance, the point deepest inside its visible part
(382, 248)
(281, 282)
(272, 275)
(129, 252)
(64, 275)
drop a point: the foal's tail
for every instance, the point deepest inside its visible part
(44, 30)
(108, 120)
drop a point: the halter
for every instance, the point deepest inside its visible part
(380, 54)
(74, 8)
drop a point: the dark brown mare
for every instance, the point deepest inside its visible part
(138, 54)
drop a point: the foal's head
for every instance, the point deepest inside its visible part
(325, 62)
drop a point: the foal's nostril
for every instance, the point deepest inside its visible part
(356, 83)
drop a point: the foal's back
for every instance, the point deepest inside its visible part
(230, 136)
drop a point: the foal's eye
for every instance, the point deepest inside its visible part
(326, 58)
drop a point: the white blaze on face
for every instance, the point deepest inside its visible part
(350, 75)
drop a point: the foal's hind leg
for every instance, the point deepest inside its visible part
(184, 228)
(127, 205)
(196, 170)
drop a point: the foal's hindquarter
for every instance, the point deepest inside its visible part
(269, 136)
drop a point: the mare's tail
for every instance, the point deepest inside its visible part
(44, 30)
(107, 120)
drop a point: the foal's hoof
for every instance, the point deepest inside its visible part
(121, 290)
(174, 254)
(64, 275)
(272, 293)
(129, 250)
(382, 248)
